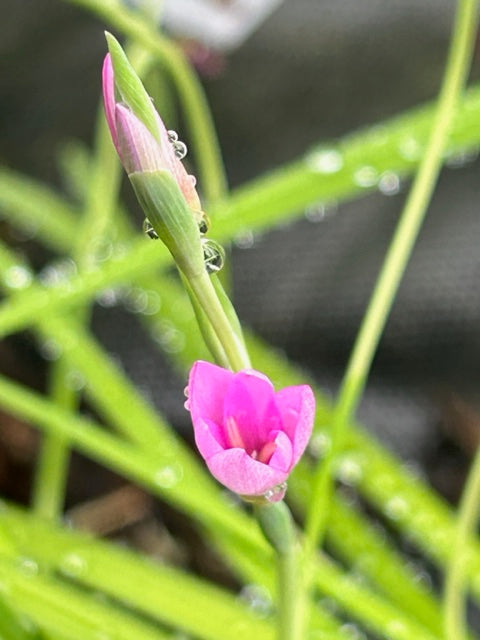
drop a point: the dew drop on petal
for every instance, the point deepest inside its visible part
(325, 161)
(172, 135)
(275, 493)
(180, 149)
(193, 180)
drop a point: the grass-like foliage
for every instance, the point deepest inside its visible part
(57, 583)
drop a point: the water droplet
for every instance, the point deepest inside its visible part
(319, 444)
(109, 297)
(396, 628)
(461, 158)
(29, 566)
(410, 149)
(180, 149)
(136, 301)
(186, 404)
(148, 229)
(244, 239)
(172, 135)
(389, 183)
(276, 493)
(350, 470)
(366, 177)
(17, 277)
(50, 349)
(168, 337)
(58, 273)
(75, 380)
(316, 212)
(168, 476)
(258, 599)
(101, 250)
(325, 161)
(193, 180)
(213, 254)
(73, 565)
(396, 508)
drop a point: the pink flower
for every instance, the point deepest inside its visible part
(250, 436)
(141, 149)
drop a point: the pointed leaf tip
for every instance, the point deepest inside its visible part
(130, 87)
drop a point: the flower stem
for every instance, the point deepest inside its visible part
(455, 579)
(277, 524)
(208, 300)
(394, 266)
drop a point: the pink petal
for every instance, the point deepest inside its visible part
(297, 408)
(175, 166)
(207, 387)
(140, 150)
(208, 438)
(108, 83)
(282, 459)
(240, 473)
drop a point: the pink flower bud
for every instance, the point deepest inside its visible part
(250, 436)
(138, 147)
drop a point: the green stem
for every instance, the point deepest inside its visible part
(277, 524)
(232, 345)
(193, 100)
(50, 482)
(456, 575)
(395, 263)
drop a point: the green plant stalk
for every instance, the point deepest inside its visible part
(192, 98)
(209, 301)
(394, 266)
(278, 527)
(154, 589)
(455, 578)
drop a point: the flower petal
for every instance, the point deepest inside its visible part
(297, 408)
(140, 151)
(209, 438)
(282, 459)
(207, 387)
(242, 474)
(108, 84)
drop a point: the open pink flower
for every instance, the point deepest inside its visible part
(140, 149)
(250, 436)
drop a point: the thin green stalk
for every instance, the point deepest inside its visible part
(456, 575)
(191, 94)
(207, 297)
(394, 266)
